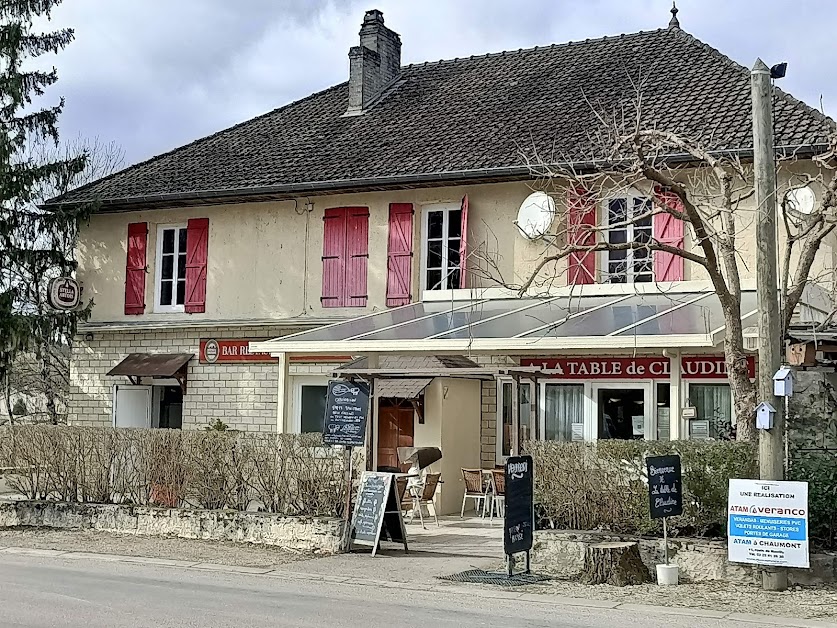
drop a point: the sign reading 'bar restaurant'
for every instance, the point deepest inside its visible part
(692, 367)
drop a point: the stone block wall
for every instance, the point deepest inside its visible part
(244, 396)
(301, 534)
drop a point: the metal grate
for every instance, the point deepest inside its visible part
(480, 576)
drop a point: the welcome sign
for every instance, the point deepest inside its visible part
(768, 523)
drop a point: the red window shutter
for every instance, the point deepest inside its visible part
(668, 229)
(581, 206)
(463, 245)
(357, 255)
(400, 254)
(334, 257)
(135, 268)
(197, 249)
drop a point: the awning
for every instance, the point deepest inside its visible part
(627, 322)
(400, 388)
(164, 365)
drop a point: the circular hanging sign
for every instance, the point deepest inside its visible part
(63, 293)
(211, 351)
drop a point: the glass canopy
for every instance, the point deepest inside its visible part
(685, 319)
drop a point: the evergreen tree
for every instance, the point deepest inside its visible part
(35, 245)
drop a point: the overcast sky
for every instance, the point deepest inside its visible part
(152, 75)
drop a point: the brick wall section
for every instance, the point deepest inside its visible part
(488, 432)
(241, 395)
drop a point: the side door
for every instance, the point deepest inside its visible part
(132, 406)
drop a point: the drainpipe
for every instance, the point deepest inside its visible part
(676, 428)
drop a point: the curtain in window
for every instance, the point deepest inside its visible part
(564, 407)
(713, 403)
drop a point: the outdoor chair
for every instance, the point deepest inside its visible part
(423, 496)
(475, 490)
(498, 486)
(406, 501)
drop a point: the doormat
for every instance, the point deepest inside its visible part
(480, 576)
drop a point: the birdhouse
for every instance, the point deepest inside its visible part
(764, 416)
(783, 382)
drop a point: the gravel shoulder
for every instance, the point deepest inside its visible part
(802, 603)
(220, 553)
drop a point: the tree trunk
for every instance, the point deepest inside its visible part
(618, 564)
(738, 371)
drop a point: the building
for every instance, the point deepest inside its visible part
(234, 275)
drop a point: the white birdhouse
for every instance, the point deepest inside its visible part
(783, 382)
(764, 416)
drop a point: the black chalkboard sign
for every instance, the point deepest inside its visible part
(377, 515)
(347, 404)
(665, 486)
(520, 507)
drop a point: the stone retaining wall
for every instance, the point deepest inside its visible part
(561, 552)
(292, 533)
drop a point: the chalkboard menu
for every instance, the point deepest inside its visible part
(665, 486)
(377, 514)
(347, 404)
(520, 509)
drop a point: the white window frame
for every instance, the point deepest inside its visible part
(296, 398)
(586, 413)
(446, 208)
(604, 256)
(158, 271)
(649, 389)
(498, 441)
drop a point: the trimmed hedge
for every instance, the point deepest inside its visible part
(603, 485)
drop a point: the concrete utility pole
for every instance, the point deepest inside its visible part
(771, 458)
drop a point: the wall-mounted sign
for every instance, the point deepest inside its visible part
(63, 293)
(214, 351)
(768, 523)
(692, 367)
(347, 404)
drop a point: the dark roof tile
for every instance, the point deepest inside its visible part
(470, 114)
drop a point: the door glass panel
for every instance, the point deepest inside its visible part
(663, 411)
(564, 412)
(312, 408)
(622, 413)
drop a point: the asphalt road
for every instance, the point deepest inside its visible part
(37, 591)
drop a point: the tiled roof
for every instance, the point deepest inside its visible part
(451, 119)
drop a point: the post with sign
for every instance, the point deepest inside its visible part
(347, 408)
(665, 496)
(519, 519)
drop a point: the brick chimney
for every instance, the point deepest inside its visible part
(374, 63)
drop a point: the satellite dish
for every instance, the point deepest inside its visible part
(802, 200)
(535, 215)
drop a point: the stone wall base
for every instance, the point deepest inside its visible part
(304, 534)
(561, 552)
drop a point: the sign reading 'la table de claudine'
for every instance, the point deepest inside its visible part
(768, 523)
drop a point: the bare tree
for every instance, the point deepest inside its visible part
(711, 191)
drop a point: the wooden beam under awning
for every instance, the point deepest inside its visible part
(162, 365)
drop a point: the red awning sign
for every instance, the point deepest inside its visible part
(692, 367)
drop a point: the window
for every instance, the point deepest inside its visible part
(442, 236)
(171, 268)
(505, 427)
(630, 265)
(713, 405)
(309, 403)
(564, 412)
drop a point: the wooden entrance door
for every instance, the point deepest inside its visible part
(395, 429)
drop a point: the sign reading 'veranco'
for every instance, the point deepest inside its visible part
(768, 523)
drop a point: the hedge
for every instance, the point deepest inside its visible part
(281, 473)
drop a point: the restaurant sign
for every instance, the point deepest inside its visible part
(214, 351)
(692, 367)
